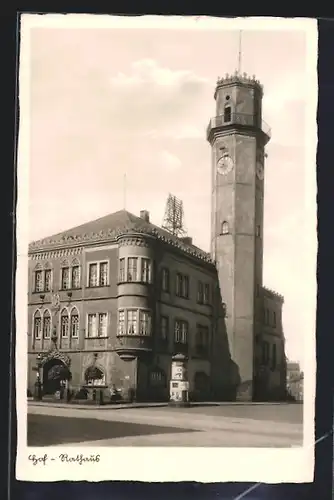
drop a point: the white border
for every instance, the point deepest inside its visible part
(163, 464)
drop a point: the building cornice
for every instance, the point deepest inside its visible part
(239, 79)
(267, 292)
(71, 242)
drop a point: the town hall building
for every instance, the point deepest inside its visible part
(111, 301)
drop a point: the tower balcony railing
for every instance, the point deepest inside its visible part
(245, 119)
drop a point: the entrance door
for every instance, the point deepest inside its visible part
(55, 375)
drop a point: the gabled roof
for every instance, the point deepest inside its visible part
(122, 218)
(109, 228)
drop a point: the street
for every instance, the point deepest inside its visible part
(219, 426)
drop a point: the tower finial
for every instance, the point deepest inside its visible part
(240, 52)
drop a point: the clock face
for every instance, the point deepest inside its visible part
(224, 165)
(260, 171)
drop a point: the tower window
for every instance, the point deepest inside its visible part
(227, 114)
(224, 228)
(258, 231)
(227, 98)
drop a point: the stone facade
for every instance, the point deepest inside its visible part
(128, 361)
(238, 137)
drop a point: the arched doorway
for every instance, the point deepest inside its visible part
(55, 376)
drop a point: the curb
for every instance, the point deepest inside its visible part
(142, 405)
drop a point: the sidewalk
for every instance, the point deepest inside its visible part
(122, 406)
(83, 406)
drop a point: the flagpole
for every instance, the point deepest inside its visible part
(124, 192)
(240, 52)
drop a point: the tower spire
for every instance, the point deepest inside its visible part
(240, 52)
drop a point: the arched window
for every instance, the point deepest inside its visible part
(37, 325)
(64, 323)
(227, 114)
(74, 323)
(75, 274)
(47, 277)
(38, 278)
(46, 324)
(224, 228)
(65, 275)
(94, 376)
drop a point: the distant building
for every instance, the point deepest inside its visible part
(114, 299)
(295, 381)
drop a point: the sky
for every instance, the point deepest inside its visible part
(109, 102)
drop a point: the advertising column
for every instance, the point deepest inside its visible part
(179, 384)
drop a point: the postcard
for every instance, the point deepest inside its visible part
(166, 249)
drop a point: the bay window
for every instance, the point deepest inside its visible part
(134, 322)
(121, 323)
(121, 270)
(132, 269)
(146, 270)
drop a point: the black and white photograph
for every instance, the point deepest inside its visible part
(166, 279)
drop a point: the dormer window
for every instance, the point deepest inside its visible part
(224, 228)
(227, 114)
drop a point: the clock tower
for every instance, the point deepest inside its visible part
(238, 136)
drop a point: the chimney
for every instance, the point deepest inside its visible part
(145, 215)
(187, 240)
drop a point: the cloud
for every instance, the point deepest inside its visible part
(150, 97)
(148, 72)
